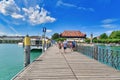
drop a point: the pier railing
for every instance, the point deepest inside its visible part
(106, 56)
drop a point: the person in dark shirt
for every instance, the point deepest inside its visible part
(73, 45)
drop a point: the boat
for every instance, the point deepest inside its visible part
(20, 44)
(36, 43)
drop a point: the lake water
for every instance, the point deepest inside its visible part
(111, 55)
(12, 60)
(115, 48)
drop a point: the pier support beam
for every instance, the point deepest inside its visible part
(27, 51)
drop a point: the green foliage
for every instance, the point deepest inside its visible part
(115, 35)
(55, 36)
(103, 36)
(113, 38)
(87, 40)
(107, 41)
(95, 40)
(60, 39)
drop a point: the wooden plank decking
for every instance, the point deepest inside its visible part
(53, 65)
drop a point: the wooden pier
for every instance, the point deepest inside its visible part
(53, 65)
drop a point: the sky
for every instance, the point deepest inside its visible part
(22, 17)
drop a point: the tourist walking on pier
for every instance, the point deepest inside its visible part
(59, 46)
(73, 45)
(65, 45)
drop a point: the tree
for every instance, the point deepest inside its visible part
(103, 36)
(87, 40)
(115, 35)
(61, 39)
(55, 36)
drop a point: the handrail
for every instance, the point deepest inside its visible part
(106, 56)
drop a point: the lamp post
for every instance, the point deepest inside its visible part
(44, 32)
(91, 40)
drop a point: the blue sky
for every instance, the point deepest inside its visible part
(21, 17)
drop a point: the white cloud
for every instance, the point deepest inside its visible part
(86, 9)
(34, 15)
(91, 9)
(109, 25)
(48, 31)
(81, 8)
(107, 21)
(37, 17)
(8, 7)
(2, 33)
(37, 7)
(109, 32)
(17, 16)
(61, 3)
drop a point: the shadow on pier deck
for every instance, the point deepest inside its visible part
(53, 65)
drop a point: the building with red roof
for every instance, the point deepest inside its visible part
(73, 35)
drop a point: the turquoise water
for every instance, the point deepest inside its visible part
(115, 48)
(12, 60)
(110, 58)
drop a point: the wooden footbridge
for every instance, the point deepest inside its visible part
(53, 65)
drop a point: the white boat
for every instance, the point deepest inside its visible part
(20, 43)
(36, 44)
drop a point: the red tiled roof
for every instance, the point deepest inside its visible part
(73, 34)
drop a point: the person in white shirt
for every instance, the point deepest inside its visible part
(65, 46)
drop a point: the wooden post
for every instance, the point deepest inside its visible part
(96, 52)
(27, 51)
